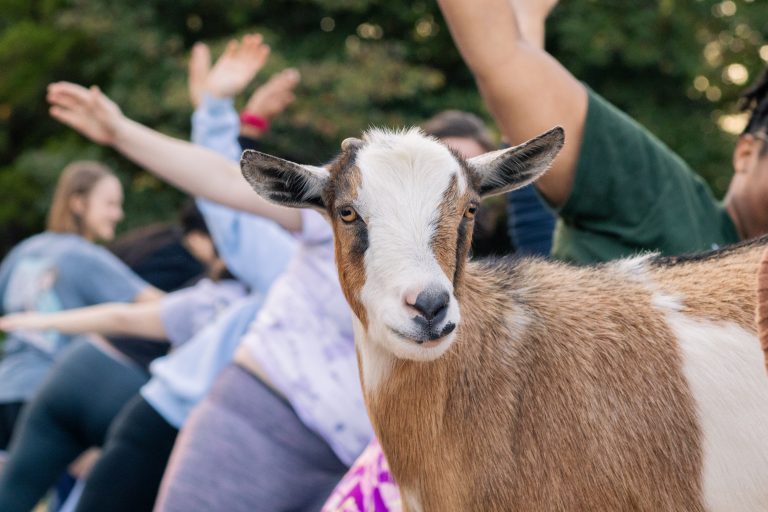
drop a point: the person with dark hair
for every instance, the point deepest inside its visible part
(462, 131)
(158, 253)
(617, 189)
(528, 225)
(60, 269)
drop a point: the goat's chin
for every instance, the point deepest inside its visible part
(403, 347)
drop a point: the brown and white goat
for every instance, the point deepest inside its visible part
(533, 385)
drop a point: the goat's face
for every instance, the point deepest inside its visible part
(402, 208)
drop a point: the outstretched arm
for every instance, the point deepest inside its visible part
(525, 88)
(137, 319)
(195, 170)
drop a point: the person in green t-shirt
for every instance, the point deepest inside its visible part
(617, 188)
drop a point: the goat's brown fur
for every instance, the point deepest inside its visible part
(451, 239)
(762, 308)
(349, 258)
(579, 420)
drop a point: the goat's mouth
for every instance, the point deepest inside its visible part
(426, 338)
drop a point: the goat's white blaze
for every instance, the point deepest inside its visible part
(724, 367)
(404, 177)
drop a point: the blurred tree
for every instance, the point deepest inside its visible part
(675, 65)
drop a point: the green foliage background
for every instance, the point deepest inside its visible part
(363, 62)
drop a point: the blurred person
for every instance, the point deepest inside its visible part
(161, 253)
(528, 225)
(143, 435)
(327, 420)
(296, 361)
(63, 419)
(60, 269)
(66, 416)
(617, 189)
(221, 428)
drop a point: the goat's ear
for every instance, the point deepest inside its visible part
(284, 182)
(508, 169)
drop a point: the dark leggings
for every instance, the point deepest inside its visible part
(71, 412)
(128, 473)
(9, 415)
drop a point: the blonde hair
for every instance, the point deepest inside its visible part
(77, 179)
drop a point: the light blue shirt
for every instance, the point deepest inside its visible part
(255, 250)
(183, 378)
(46, 273)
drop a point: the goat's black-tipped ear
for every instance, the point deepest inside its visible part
(284, 182)
(501, 171)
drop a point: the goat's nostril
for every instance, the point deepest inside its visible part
(432, 305)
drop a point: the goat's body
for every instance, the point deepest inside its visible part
(533, 386)
(637, 385)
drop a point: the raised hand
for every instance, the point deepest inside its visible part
(237, 66)
(270, 99)
(86, 110)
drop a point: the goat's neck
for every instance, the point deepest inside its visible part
(401, 393)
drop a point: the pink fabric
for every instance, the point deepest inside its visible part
(368, 486)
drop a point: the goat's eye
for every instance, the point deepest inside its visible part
(347, 214)
(471, 211)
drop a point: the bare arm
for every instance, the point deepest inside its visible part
(525, 88)
(132, 319)
(195, 170)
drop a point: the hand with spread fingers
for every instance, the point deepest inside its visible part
(88, 111)
(231, 73)
(271, 99)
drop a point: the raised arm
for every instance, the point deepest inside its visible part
(525, 88)
(195, 170)
(137, 319)
(255, 248)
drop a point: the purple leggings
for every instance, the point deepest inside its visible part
(245, 449)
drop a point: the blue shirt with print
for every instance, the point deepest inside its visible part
(46, 273)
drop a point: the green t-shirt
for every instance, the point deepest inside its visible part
(631, 193)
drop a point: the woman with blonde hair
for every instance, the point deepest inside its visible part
(61, 268)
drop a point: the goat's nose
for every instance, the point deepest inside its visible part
(432, 305)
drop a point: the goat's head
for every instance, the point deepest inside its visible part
(402, 207)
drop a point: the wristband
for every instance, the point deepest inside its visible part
(254, 120)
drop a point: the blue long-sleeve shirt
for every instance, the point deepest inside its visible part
(256, 250)
(530, 222)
